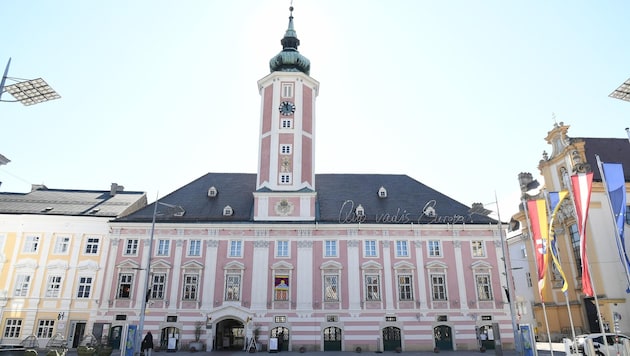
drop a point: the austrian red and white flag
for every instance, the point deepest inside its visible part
(582, 183)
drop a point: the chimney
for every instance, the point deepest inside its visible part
(35, 187)
(115, 189)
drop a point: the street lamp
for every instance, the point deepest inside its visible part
(27, 92)
(479, 208)
(177, 211)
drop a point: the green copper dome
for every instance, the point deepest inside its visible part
(290, 60)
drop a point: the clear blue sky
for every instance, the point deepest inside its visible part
(457, 94)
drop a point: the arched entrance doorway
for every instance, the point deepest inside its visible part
(230, 335)
(391, 338)
(169, 338)
(443, 337)
(282, 334)
(332, 339)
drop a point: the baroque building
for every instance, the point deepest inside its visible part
(296, 260)
(573, 311)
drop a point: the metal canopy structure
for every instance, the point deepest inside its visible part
(32, 92)
(623, 92)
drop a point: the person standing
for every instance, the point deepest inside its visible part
(147, 343)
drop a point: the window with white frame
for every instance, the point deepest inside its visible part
(405, 287)
(233, 287)
(53, 286)
(194, 248)
(31, 244)
(287, 123)
(369, 248)
(402, 248)
(372, 287)
(22, 284)
(131, 247)
(331, 288)
(285, 149)
(236, 248)
(477, 249)
(435, 248)
(285, 178)
(438, 286)
(191, 286)
(12, 328)
(287, 90)
(158, 286)
(484, 289)
(85, 287)
(330, 248)
(281, 287)
(45, 328)
(125, 281)
(163, 248)
(282, 248)
(91, 245)
(62, 245)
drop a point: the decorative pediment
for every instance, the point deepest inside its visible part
(57, 264)
(128, 264)
(160, 265)
(27, 263)
(88, 265)
(233, 265)
(436, 265)
(371, 265)
(404, 265)
(480, 265)
(331, 265)
(192, 265)
(282, 265)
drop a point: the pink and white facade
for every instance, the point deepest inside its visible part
(320, 262)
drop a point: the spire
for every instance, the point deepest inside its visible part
(289, 59)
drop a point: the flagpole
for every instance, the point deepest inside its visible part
(620, 245)
(542, 300)
(588, 268)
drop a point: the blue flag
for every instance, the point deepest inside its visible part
(616, 188)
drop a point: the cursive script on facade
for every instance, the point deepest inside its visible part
(427, 215)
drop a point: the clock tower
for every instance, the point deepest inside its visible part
(285, 184)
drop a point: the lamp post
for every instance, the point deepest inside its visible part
(177, 211)
(479, 208)
(28, 92)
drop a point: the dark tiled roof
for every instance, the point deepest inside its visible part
(45, 201)
(337, 194)
(609, 150)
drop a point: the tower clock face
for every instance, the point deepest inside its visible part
(287, 108)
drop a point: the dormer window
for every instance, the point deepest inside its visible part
(228, 211)
(360, 211)
(212, 192)
(382, 192)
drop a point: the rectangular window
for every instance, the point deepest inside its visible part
(331, 288)
(575, 244)
(13, 328)
(22, 283)
(370, 248)
(91, 245)
(402, 249)
(287, 90)
(31, 244)
(435, 248)
(524, 252)
(285, 149)
(158, 286)
(85, 287)
(194, 248)
(287, 123)
(53, 286)
(330, 248)
(236, 248)
(45, 328)
(372, 288)
(232, 287)
(124, 286)
(281, 287)
(163, 247)
(438, 286)
(528, 277)
(484, 289)
(131, 247)
(285, 179)
(405, 290)
(191, 285)
(282, 248)
(477, 249)
(62, 245)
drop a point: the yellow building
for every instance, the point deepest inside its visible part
(53, 249)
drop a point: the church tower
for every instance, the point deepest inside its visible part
(285, 184)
